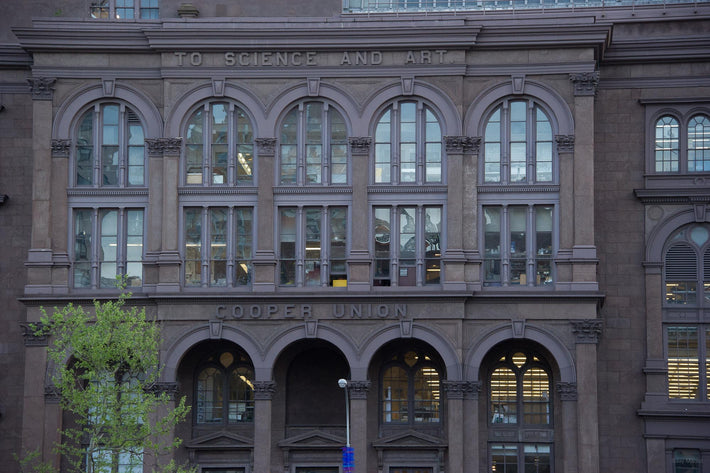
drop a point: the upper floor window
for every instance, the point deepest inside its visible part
(124, 9)
(314, 146)
(218, 247)
(219, 146)
(408, 146)
(687, 461)
(688, 355)
(518, 144)
(410, 388)
(224, 389)
(518, 245)
(108, 243)
(313, 246)
(681, 146)
(687, 267)
(110, 147)
(407, 245)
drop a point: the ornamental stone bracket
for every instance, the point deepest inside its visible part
(360, 145)
(164, 146)
(462, 389)
(60, 148)
(462, 144)
(42, 88)
(34, 335)
(52, 395)
(567, 391)
(264, 390)
(585, 83)
(266, 146)
(565, 143)
(358, 389)
(587, 331)
(160, 388)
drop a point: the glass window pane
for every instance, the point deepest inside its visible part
(504, 396)
(426, 395)
(312, 274)
(687, 461)
(395, 388)
(382, 233)
(683, 366)
(699, 144)
(210, 396)
(83, 231)
(536, 396)
(504, 458)
(287, 246)
(666, 144)
(193, 246)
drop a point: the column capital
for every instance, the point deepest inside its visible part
(358, 389)
(162, 146)
(266, 146)
(585, 83)
(462, 144)
(35, 334)
(52, 395)
(565, 143)
(360, 145)
(587, 331)
(169, 388)
(567, 391)
(461, 389)
(264, 390)
(41, 88)
(60, 148)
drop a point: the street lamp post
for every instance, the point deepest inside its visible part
(348, 453)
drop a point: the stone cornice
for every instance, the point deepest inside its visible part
(408, 189)
(689, 195)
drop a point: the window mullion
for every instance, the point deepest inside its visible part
(121, 238)
(419, 244)
(505, 246)
(505, 143)
(206, 148)
(98, 145)
(122, 146)
(230, 234)
(396, 144)
(95, 245)
(530, 140)
(231, 145)
(420, 123)
(530, 241)
(206, 246)
(394, 244)
(325, 155)
(301, 149)
(300, 245)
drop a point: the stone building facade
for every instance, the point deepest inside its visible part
(490, 218)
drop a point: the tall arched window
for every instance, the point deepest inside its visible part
(410, 388)
(224, 389)
(687, 284)
(219, 146)
(519, 399)
(408, 146)
(313, 143)
(699, 144)
(681, 146)
(518, 144)
(110, 147)
(667, 144)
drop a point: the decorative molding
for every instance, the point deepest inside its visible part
(218, 87)
(518, 81)
(313, 86)
(106, 192)
(317, 189)
(164, 146)
(585, 83)
(311, 327)
(567, 391)
(109, 86)
(462, 144)
(264, 390)
(188, 10)
(169, 388)
(587, 331)
(34, 334)
(41, 88)
(201, 190)
(358, 389)
(406, 189)
(266, 146)
(360, 145)
(216, 327)
(495, 189)
(407, 85)
(461, 389)
(60, 148)
(565, 143)
(405, 328)
(518, 327)
(52, 395)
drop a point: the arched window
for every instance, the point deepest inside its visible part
(518, 144)
(681, 146)
(519, 399)
(224, 389)
(687, 284)
(408, 146)
(667, 144)
(219, 146)
(410, 388)
(313, 142)
(699, 144)
(110, 147)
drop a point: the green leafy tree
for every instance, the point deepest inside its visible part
(107, 364)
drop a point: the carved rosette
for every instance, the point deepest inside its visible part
(585, 83)
(171, 389)
(163, 146)
(567, 391)
(264, 390)
(52, 395)
(587, 331)
(34, 335)
(462, 144)
(360, 145)
(358, 389)
(266, 146)
(60, 148)
(461, 389)
(565, 143)
(41, 88)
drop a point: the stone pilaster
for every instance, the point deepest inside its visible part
(359, 261)
(567, 393)
(264, 258)
(455, 392)
(263, 393)
(358, 391)
(587, 333)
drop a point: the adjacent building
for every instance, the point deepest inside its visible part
(491, 218)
